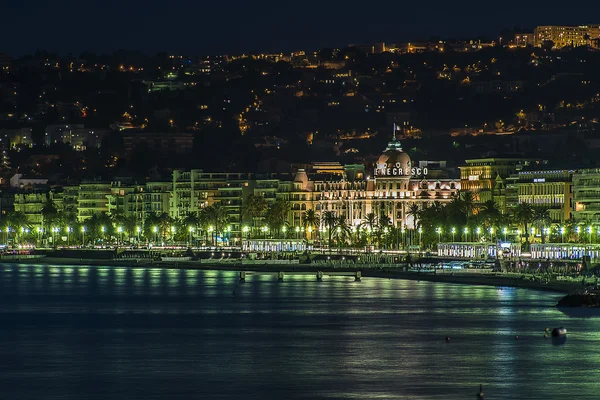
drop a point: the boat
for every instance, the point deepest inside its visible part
(557, 332)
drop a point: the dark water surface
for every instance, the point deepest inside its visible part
(120, 333)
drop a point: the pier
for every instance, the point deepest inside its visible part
(319, 274)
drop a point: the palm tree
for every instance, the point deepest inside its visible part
(523, 214)
(342, 230)
(468, 201)
(277, 214)
(490, 214)
(330, 220)
(541, 216)
(217, 217)
(49, 213)
(310, 219)
(190, 221)
(254, 207)
(414, 211)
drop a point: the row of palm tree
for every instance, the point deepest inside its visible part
(462, 211)
(260, 213)
(210, 221)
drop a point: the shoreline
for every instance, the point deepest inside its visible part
(491, 279)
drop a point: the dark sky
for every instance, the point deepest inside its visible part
(229, 27)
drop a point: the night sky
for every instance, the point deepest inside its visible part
(234, 26)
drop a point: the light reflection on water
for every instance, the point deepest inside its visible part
(100, 332)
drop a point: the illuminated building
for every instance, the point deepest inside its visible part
(486, 178)
(547, 188)
(30, 203)
(197, 189)
(92, 199)
(586, 195)
(395, 185)
(563, 36)
(75, 135)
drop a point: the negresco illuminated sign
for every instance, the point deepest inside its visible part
(397, 170)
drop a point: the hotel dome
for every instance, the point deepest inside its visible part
(393, 156)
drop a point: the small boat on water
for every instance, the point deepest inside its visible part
(557, 332)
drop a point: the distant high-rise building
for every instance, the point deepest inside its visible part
(563, 36)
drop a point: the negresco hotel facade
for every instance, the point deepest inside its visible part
(394, 184)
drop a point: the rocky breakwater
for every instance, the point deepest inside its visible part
(586, 298)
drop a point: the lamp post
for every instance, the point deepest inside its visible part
(120, 232)
(39, 232)
(210, 230)
(504, 230)
(190, 230)
(590, 231)
(68, 235)
(578, 230)
(466, 231)
(562, 234)
(492, 234)
(453, 230)
(310, 229)
(173, 235)
(155, 231)
(83, 236)
(138, 229)
(439, 232)
(420, 237)
(297, 229)
(478, 233)
(403, 230)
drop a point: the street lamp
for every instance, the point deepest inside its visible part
(590, 231)
(173, 234)
(466, 234)
(578, 230)
(83, 236)
(453, 230)
(103, 229)
(120, 232)
(69, 230)
(439, 232)
(562, 234)
(191, 230)
(210, 230)
(491, 234)
(420, 237)
(478, 233)
(138, 230)
(504, 230)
